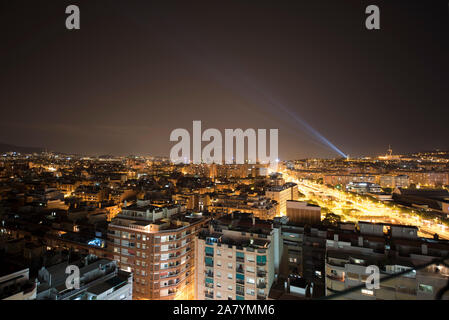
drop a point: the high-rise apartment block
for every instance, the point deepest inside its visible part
(281, 194)
(156, 243)
(236, 258)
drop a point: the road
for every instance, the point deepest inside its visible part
(357, 208)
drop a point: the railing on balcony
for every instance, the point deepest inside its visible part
(169, 275)
(335, 278)
(209, 295)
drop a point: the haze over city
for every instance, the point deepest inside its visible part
(135, 72)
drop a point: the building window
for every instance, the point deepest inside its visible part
(209, 251)
(250, 269)
(209, 261)
(425, 288)
(367, 292)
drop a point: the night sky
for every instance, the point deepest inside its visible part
(139, 69)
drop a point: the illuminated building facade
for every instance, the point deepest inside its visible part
(236, 259)
(281, 194)
(157, 245)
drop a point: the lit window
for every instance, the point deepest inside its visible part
(425, 288)
(367, 292)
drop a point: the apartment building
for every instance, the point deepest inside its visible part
(156, 244)
(281, 194)
(236, 258)
(99, 279)
(260, 206)
(302, 252)
(393, 181)
(16, 284)
(303, 212)
(392, 248)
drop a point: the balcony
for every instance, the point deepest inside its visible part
(335, 278)
(240, 293)
(261, 297)
(261, 285)
(261, 263)
(209, 274)
(240, 270)
(209, 295)
(240, 281)
(170, 274)
(239, 259)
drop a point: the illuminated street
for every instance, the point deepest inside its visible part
(356, 208)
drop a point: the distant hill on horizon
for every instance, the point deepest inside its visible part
(13, 148)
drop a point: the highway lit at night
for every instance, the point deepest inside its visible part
(356, 208)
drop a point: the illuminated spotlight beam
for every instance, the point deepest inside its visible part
(182, 41)
(298, 120)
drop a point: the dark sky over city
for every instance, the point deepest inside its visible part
(136, 70)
